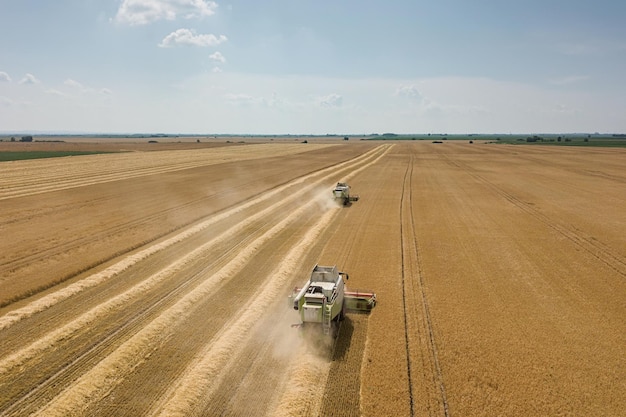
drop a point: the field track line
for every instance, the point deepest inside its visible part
(26, 259)
(128, 327)
(99, 380)
(46, 342)
(203, 376)
(407, 274)
(595, 248)
(87, 389)
(305, 380)
(20, 179)
(418, 323)
(337, 390)
(597, 174)
(195, 387)
(50, 300)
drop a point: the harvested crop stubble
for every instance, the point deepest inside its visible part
(500, 273)
(44, 175)
(91, 224)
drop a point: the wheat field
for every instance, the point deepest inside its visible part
(155, 281)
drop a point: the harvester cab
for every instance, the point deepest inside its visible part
(323, 300)
(342, 193)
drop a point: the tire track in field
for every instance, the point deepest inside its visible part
(86, 390)
(68, 245)
(100, 380)
(23, 178)
(350, 237)
(129, 261)
(427, 391)
(305, 379)
(98, 278)
(342, 390)
(27, 259)
(30, 351)
(576, 171)
(111, 271)
(195, 388)
(243, 390)
(74, 365)
(22, 190)
(135, 322)
(602, 252)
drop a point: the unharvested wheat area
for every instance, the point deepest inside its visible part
(156, 282)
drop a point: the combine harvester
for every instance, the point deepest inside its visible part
(323, 301)
(342, 194)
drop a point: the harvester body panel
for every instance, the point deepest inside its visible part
(321, 298)
(342, 193)
(324, 300)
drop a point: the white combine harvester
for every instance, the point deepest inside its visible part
(342, 194)
(323, 300)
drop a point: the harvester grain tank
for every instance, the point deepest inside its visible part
(323, 300)
(342, 193)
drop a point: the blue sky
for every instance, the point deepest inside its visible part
(312, 67)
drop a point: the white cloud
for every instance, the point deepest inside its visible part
(564, 109)
(217, 57)
(409, 91)
(188, 37)
(304, 104)
(242, 99)
(330, 100)
(73, 83)
(29, 79)
(141, 12)
(79, 87)
(57, 93)
(216, 70)
(264, 101)
(4, 77)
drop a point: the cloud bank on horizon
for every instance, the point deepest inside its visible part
(312, 67)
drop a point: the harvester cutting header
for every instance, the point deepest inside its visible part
(342, 193)
(324, 301)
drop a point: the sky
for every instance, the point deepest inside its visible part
(312, 67)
